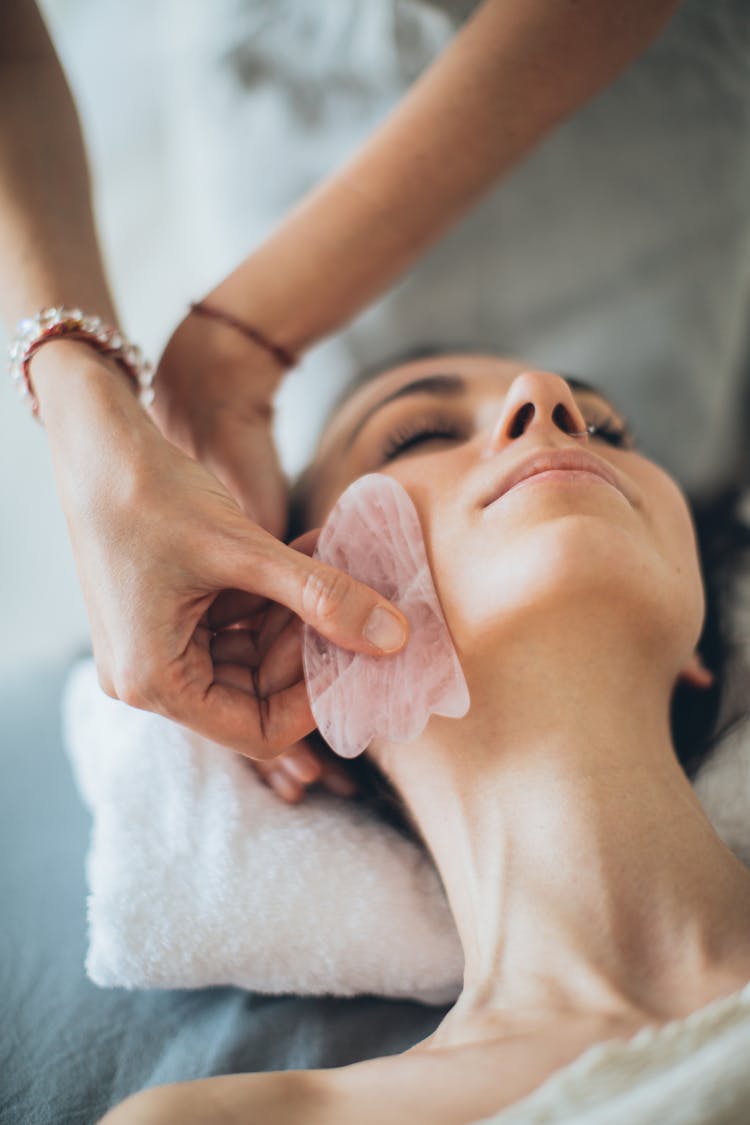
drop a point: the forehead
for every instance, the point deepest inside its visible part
(490, 371)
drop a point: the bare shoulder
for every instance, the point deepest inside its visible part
(442, 1086)
(399, 1089)
(275, 1098)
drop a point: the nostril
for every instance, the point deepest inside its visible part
(567, 422)
(526, 413)
(562, 418)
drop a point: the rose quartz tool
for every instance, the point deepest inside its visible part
(374, 534)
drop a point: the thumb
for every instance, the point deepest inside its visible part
(345, 611)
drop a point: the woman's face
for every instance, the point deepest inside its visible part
(450, 429)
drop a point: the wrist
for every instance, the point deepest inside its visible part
(100, 438)
(64, 323)
(237, 344)
(231, 369)
(84, 399)
(246, 296)
(281, 355)
(69, 376)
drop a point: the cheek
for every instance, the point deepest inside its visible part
(673, 531)
(552, 556)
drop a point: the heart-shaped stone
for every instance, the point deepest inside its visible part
(373, 533)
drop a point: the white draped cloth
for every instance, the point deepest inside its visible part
(693, 1071)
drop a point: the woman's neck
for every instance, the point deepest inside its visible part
(583, 874)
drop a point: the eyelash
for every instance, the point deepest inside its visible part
(409, 434)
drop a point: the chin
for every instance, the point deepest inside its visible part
(564, 570)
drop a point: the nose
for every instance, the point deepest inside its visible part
(539, 400)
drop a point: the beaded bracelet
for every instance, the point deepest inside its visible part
(285, 357)
(71, 324)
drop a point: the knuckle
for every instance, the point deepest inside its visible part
(106, 684)
(324, 593)
(261, 765)
(135, 686)
(133, 692)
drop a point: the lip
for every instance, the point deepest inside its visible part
(551, 459)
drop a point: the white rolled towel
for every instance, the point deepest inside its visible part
(199, 874)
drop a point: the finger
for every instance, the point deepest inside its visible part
(346, 611)
(307, 541)
(301, 764)
(264, 770)
(202, 636)
(235, 646)
(282, 666)
(283, 785)
(274, 622)
(301, 760)
(236, 676)
(336, 777)
(232, 715)
(286, 786)
(231, 606)
(311, 765)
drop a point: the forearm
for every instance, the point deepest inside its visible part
(514, 72)
(49, 254)
(91, 415)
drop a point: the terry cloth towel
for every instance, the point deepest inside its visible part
(692, 1071)
(200, 875)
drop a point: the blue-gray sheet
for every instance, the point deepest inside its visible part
(69, 1050)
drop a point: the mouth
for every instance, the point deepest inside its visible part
(554, 466)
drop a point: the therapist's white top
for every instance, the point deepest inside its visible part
(694, 1071)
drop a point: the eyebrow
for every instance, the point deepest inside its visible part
(448, 385)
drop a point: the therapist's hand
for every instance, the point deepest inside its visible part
(214, 393)
(309, 762)
(166, 558)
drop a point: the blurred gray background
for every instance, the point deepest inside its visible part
(620, 250)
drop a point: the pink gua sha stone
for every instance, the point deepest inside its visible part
(374, 534)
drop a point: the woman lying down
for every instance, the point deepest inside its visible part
(594, 901)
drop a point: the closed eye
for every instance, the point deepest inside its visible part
(412, 433)
(619, 434)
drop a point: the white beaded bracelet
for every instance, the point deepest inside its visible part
(62, 323)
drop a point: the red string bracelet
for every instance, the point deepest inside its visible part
(285, 357)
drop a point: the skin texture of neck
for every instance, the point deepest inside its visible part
(582, 872)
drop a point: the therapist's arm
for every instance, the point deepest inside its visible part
(515, 70)
(158, 542)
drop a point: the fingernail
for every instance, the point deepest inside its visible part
(384, 630)
(341, 786)
(304, 768)
(284, 786)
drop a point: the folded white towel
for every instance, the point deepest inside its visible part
(200, 875)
